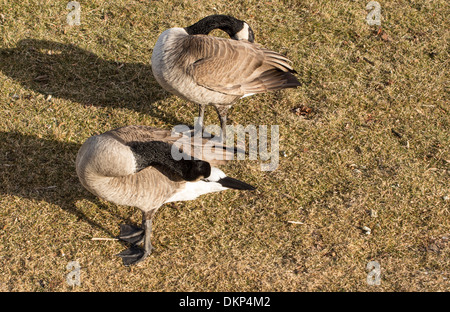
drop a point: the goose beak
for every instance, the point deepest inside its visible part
(235, 184)
(251, 36)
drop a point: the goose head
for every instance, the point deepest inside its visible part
(236, 29)
(246, 33)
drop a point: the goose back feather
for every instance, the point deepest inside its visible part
(210, 70)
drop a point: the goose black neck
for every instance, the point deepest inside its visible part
(227, 23)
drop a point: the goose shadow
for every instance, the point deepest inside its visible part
(72, 73)
(41, 169)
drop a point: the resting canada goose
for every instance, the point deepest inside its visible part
(134, 166)
(215, 71)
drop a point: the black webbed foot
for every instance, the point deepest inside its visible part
(132, 255)
(131, 234)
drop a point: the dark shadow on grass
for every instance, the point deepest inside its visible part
(69, 72)
(41, 169)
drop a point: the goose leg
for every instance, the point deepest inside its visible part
(147, 239)
(135, 254)
(223, 124)
(222, 111)
(131, 234)
(201, 116)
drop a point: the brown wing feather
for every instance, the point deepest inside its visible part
(237, 67)
(213, 152)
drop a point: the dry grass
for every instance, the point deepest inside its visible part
(372, 137)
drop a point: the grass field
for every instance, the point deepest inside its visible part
(364, 140)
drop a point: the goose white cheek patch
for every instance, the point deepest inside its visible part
(243, 33)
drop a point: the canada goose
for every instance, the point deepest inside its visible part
(215, 71)
(134, 166)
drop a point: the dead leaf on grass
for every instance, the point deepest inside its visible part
(383, 35)
(302, 111)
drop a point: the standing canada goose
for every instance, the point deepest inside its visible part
(134, 166)
(215, 71)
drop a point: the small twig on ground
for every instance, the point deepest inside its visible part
(291, 197)
(369, 61)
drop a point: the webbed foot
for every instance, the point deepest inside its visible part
(133, 255)
(131, 234)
